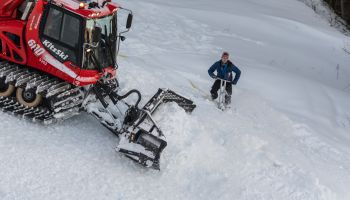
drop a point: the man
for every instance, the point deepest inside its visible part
(224, 69)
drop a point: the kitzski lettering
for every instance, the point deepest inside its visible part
(52, 48)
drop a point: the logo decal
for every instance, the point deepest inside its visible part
(47, 58)
(52, 48)
(37, 22)
(37, 49)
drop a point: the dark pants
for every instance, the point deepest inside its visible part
(216, 87)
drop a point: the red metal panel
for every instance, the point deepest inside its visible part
(8, 8)
(8, 46)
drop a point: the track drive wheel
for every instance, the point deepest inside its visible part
(6, 89)
(28, 97)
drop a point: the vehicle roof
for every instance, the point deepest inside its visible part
(88, 12)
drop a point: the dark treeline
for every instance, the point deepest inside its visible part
(342, 8)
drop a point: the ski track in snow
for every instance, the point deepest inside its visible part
(264, 147)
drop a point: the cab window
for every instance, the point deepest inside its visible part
(60, 34)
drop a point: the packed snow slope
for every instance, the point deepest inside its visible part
(285, 137)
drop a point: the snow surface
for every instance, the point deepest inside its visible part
(287, 135)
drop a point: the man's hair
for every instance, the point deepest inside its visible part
(225, 53)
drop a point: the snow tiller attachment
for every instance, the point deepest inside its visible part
(141, 139)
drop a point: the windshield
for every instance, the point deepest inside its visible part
(100, 42)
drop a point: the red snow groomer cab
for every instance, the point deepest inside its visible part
(59, 58)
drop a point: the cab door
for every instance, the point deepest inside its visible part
(60, 33)
(54, 37)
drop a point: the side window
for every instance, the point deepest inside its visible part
(61, 34)
(53, 24)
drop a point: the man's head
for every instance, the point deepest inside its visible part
(225, 56)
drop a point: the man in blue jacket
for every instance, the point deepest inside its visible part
(224, 69)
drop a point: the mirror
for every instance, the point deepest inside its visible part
(129, 21)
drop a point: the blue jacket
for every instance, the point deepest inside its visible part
(224, 71)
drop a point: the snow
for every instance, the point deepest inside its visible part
(285, 137)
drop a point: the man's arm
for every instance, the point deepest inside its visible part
(211, 70)
(238, 74)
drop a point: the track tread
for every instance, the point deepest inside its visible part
(64, 99)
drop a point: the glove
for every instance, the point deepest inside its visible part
(213, 76)
(233, 83)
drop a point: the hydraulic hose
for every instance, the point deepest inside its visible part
(120, 97)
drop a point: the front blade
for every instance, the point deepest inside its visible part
(165, 96)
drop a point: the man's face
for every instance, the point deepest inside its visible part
(224, 58)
